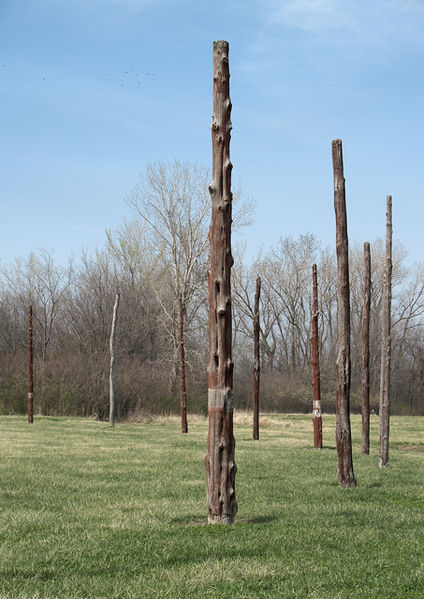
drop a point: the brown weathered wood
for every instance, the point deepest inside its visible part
(183, 392)
(343, 367)
(256, 361)
(219, 459)
(386, 346)
(30, 370)
(112, 362)
(365, 378)
(316, 389)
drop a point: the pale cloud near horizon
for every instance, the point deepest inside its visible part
(312, 14)
(131, 7)
(353, 27)
(372, 21)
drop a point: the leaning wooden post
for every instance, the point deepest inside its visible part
(256, 361)
(183, 392)
(112, 363)
(219, 458)
(343, 368)
(30, 370)
(316, 391)
(365, 378)
(386, 346)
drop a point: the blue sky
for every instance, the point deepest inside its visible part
(93, 90)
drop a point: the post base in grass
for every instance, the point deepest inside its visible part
(348, 484)
(225, 519)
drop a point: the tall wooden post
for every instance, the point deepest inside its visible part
(219, 459)
(386, 346)
(112, 363)
(343, 367)
(256, 361)
(365, 383)
(30, 370)
(316, 390)
(183, 392)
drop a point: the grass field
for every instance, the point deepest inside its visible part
(87, 511)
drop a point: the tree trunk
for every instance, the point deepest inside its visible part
(365, 387)
(316, 391)
(384, 412)
(343, 368)
(30, 370)
(256, 361)
(183, 393)
(219, 458)
(112, 363)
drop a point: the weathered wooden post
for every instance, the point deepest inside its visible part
(183, 391)
(30, 370)
(365, 378)
(386, 345)
(219, 459)
(316, 390)
(343, 368)
(112, 363)
(256, 361)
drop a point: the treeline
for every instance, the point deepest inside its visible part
(158, 262)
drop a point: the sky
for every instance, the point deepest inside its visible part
(94, 90)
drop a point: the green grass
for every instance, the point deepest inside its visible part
(90, 512)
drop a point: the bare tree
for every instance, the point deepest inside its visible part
(406, 314)
(365, 386)
(327, 331)
(139, 274)
(131, 250)
(286, 273)
(112, 363)
(92, 303)
(219, 459)
(44, 284)
(384, 413)
(316, 390)
(173, 202)
(343, 372)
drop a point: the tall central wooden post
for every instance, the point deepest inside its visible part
(219, 458)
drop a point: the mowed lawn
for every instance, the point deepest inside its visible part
(88, 511)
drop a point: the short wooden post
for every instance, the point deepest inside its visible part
(365, 378)
(112, 363)
(256, 361)
(386, 346)
(183, 391)
(316, 390)
(30, 370)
